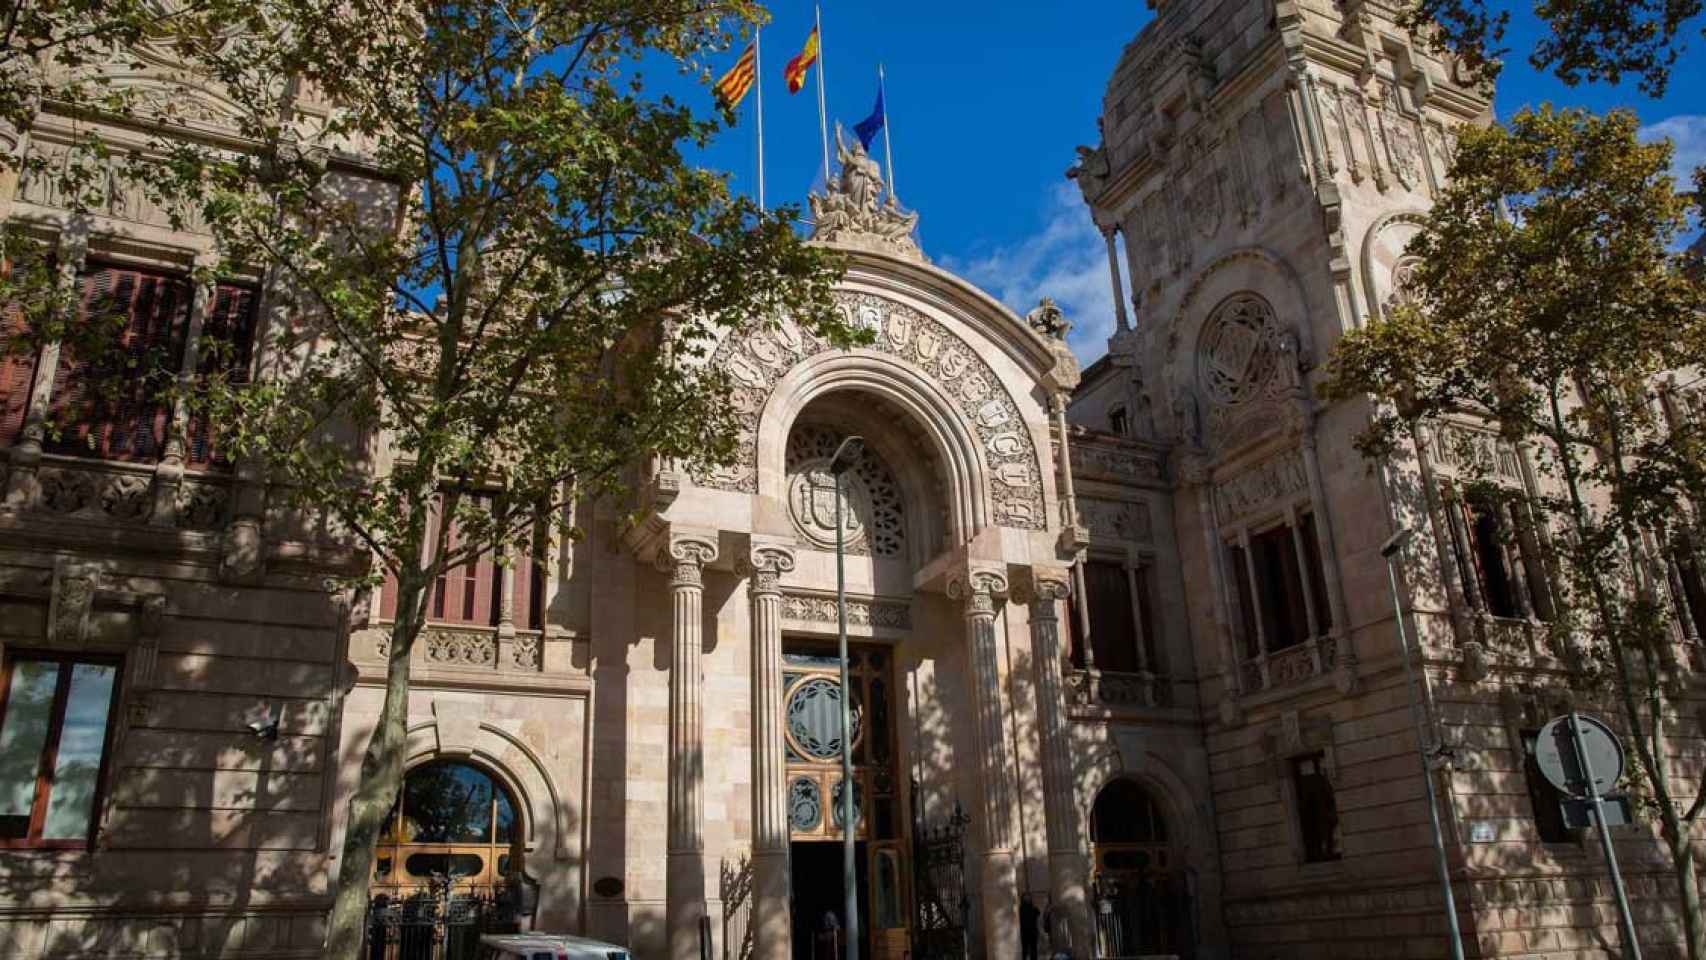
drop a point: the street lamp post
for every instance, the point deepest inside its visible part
(1390, 550)
(846, 457)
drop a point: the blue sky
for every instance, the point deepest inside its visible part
(986, 101)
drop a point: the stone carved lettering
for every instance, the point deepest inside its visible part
(930, 346)
(1268, 484)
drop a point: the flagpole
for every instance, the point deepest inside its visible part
(822, 116)
(888, 154)
(758, 73)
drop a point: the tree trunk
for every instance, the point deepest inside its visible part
(1680, 838)
(376, 793)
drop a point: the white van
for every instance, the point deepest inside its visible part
(547, 946)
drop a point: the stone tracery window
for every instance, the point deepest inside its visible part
(873, 510)
(1237, 356)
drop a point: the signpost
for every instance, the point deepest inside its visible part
(1584, 760)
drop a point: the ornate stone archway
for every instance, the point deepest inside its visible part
(927, 350)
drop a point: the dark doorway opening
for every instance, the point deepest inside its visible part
(815, 890)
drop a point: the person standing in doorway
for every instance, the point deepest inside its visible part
(1028, 917)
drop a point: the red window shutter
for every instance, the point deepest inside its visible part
(223, 350)
(113, 407)
(17, 374)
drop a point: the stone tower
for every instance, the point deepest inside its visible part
(1266, 163)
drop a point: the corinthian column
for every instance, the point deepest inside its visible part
(1060, 803)
(684, 561)
(979, 589)
(770, 931)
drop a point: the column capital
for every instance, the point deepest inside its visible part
(1042, 586)
(978, 588)
(765, 563)
(684, 557)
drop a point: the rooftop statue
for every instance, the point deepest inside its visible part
(854, 210)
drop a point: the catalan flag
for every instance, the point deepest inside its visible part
(797, 68)
(732, 87)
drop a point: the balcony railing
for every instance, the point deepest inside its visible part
(1290, 666)
(1106, 688)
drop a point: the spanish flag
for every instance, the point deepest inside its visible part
(732, 87)
(795, 71)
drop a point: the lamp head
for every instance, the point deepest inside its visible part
(847, 455)
(1395, 543)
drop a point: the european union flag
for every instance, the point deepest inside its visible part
(868, 127)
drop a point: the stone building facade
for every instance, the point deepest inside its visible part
(1265, 165)
(1121, 644)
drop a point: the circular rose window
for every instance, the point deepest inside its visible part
(1236, 357)
(814, 719)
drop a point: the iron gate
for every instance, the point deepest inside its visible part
(1138, 915)
(942, 905)
(442, 921)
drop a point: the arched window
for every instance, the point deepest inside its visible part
(1125, 813)
(452, 819)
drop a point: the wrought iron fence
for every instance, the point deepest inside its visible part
(442, 921)
(1142, 915)
(942, 902)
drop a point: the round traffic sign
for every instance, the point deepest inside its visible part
(1555, 752)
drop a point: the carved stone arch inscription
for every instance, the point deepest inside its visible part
(758, 360)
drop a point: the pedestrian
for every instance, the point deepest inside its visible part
(828, 946)
(1028, 916)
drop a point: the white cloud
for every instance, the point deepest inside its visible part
(1687, 132)
(1065, 259)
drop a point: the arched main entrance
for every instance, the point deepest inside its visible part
(1139, 896)
(454, 821)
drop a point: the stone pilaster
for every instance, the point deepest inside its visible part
(979, 589)
(771, 935)
(684, 559)
(1060, 803)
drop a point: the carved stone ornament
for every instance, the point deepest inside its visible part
(527, 651)
(765, 564)
(127, 497)
(978, 590)
(684, 559)
(759, 360)
(463, 648)
(1203, 202)
(66, 491)
(1237, 357)
(1091, 172)
(861, 611)
(1269, 484)
(1402, 148)
(873, 517)
(1049, 320)
(201, 506)
(853, 210)
(1117, 519)
(74, 587)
